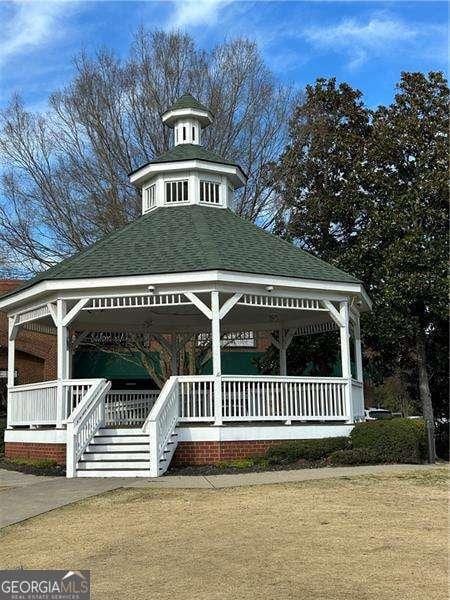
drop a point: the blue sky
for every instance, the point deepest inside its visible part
(366, 44)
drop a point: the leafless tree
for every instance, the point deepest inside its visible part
(65, 173)
(160, 356)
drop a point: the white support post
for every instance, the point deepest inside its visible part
(68, 363)
(13, 329)
(61, 360)
(216, 360)
(358, 352)
(345, 356)
(283, 348)
(174, 351)
(12, 334)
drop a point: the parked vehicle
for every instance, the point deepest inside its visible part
(376, 414)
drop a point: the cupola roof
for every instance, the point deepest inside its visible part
(188, 101)
(187, 106)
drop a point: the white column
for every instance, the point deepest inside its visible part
(174, 355)
(216, 360)
(345, 356)
(358, 351)
(61, 371)
(283, 348)
(12, 333)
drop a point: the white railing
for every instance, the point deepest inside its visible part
(358, 401)
(283, 398)
(38, 404)
(33, 404)
(129, 407)
(84, 422)
(196, 396)
(160, 425)
(263, 398)
(74, 391)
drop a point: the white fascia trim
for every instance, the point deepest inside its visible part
(177, 282)
(256, 433)
(187, 165)
(203, 433)
(180, 113)
(36, 436)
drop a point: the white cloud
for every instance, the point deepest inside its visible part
(197, 12)
(361, 40)
(29, 24)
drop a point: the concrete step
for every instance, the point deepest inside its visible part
(125, 439)
(88, 456)
(113, 473)
(87, 465)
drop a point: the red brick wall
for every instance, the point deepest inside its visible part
(187, 453)
(35, 352)
(209, 453)
(35, 450)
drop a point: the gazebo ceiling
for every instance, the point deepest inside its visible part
(187, 317)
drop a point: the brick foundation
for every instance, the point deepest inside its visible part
(34, 450)
(209, 453)
(187, 453)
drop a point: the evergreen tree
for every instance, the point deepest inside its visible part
(368, 191)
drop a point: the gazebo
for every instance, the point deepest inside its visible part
(188, 264)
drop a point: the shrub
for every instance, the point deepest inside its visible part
(38, 463)
(289, 452)
(395, 440)
(243, 463)
(238, 463)
(354, 456)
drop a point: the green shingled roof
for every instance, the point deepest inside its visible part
(190, 152)
(191, 238)
(188, 101)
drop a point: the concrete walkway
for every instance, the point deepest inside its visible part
(29, 496)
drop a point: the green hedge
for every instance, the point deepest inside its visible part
(38, 463)
(289, 452)
(354, 456)
(387, 441)
(395, 440)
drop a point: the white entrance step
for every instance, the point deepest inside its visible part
(113, 455)
(88, 465)
(114, 473)
(122, 431)
(121, 453)
(122, 447)
(120, 439)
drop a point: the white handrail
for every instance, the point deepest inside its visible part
(84, 422)
(129, 407)
(160, 425)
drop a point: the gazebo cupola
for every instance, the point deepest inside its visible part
(187, 117)
(189, 173)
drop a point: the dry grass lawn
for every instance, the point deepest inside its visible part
(379, 537)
